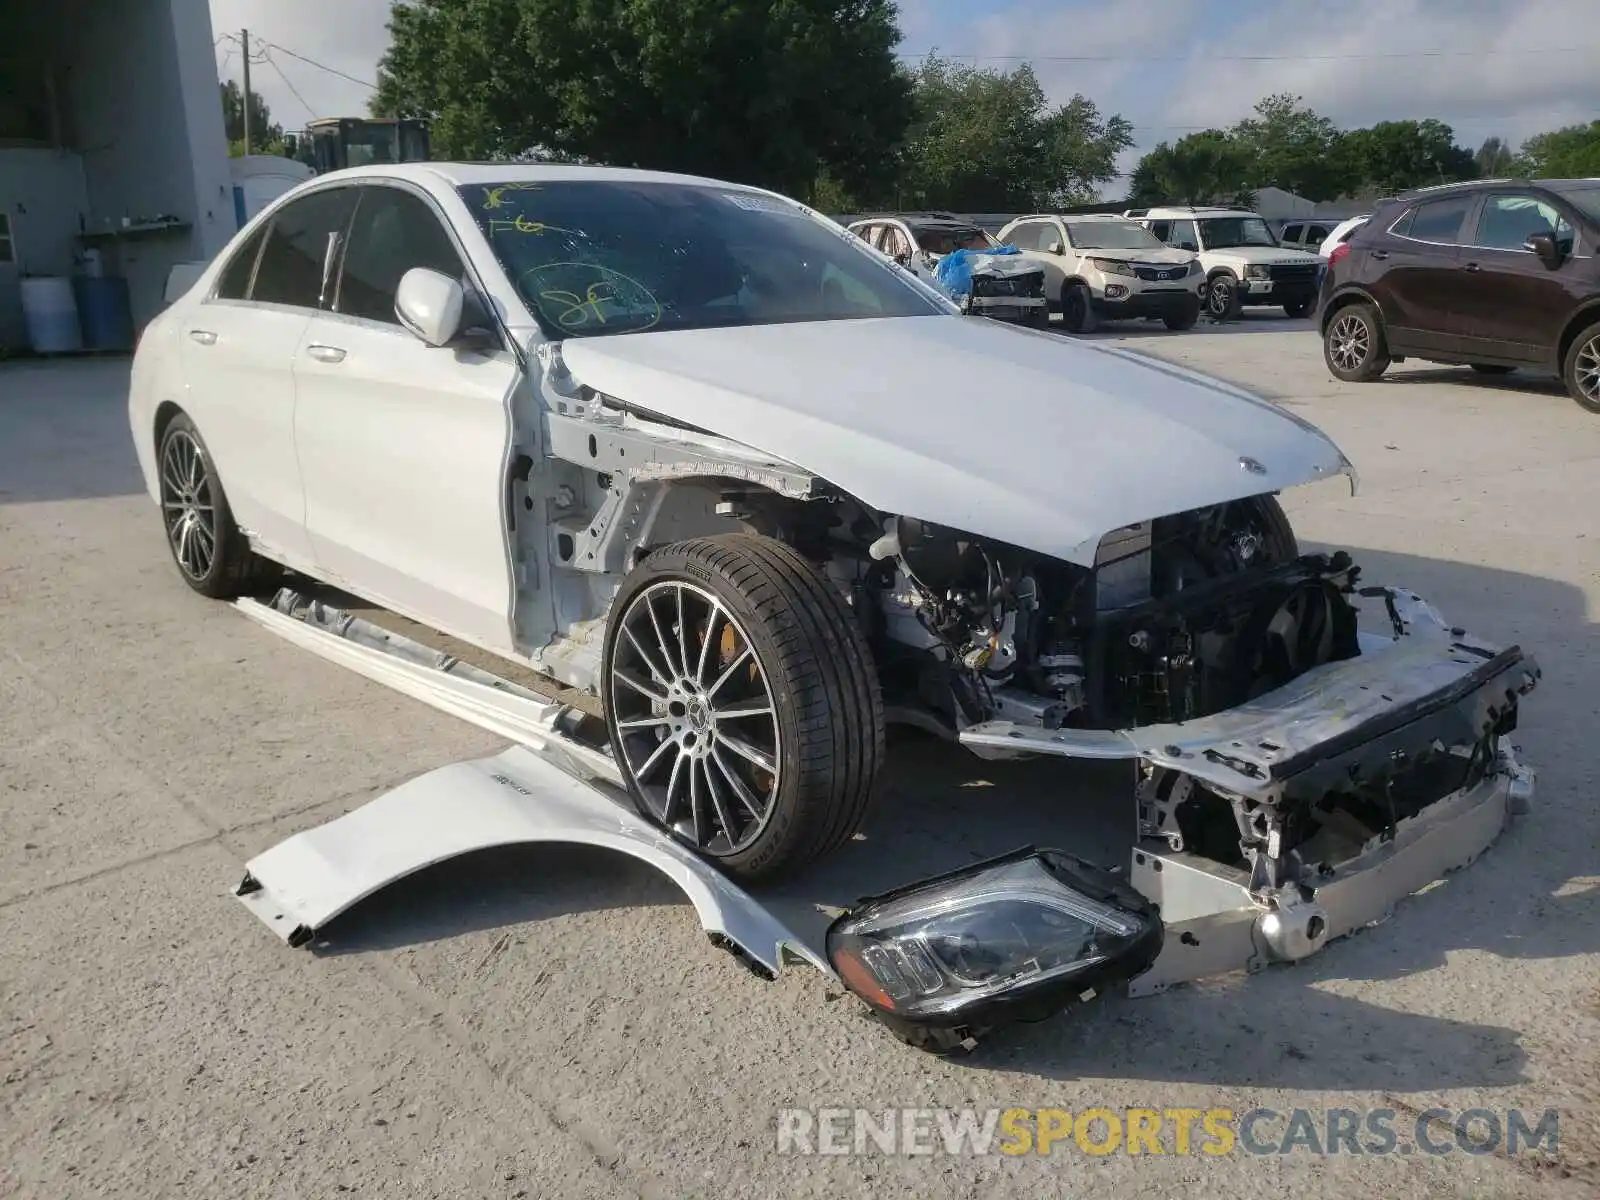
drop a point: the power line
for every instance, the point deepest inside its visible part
(294, 91)
(320, 66)
(1174, 58)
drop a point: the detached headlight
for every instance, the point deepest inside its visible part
(1111, 266)
(1257, 273)
(1014, 938)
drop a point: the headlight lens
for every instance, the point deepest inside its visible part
(1111, 266)
(1036, 926)
(1257, 273)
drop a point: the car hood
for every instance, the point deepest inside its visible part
(1268, 256)
(1006, 433)
(1167, 257)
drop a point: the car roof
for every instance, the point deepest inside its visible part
(457, 174)
(1170, 211)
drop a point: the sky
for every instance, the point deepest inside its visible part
(1507, 68)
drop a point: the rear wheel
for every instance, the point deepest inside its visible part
(1492, 369)
(1298, 308)
(1077, 309)
(742, 704)
(1353, 345)
(1581, 369)
(211, 553)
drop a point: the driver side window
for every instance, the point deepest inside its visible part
(393, 232)
(1508, 221)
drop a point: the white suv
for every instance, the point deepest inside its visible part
(1102, 266)
(1244, 262)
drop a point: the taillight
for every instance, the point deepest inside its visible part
(1339, 251)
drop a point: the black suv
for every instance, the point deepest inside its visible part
(1496, 274)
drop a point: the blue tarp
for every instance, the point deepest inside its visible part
(954, 272)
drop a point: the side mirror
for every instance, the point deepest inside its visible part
(1544, 245)
(429, 303)
(1052, 247)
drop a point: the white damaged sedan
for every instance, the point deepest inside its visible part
(694, 448)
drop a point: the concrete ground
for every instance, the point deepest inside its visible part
(553, 1023)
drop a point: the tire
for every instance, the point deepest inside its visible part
(1077, 309)
(1580, 370)
(763, 635)
(210, 553)
(1184, 319)
(1492, 369)
(1298, 308)
(1353, 345)
(1222, 298)
(1039, 318)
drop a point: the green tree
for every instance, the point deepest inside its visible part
(1392, 156)
(1294, 148)
(265, 136)
(985, 140)
(1570, 153)
(770, 92)
(1207, 167)
(1495, 158)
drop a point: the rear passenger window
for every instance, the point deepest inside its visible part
(292, 262)
(1439, 220)
(234, 282)
(393, 232)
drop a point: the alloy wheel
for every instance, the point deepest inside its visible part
(188, 504)
(1349, 342)
(1586, 371)
(694, 717)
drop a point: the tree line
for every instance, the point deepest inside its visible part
(809, 97)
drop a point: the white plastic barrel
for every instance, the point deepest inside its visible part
(51, 312)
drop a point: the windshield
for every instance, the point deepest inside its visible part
(1221, 232)
(595, 257)
(1585, 198)
(943, 241)
(1112, 235)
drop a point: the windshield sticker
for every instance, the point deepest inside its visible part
(586, 296)
(524, 225)
(763, 204)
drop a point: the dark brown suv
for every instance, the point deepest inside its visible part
(1496, 274)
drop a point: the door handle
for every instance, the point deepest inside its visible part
(1380, 255)
(1473, 267)
(204, 336)
(327, 354)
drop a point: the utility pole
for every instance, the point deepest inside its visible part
(244, 38)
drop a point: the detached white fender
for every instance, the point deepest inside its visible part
(513, 798)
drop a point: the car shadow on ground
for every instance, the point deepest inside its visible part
(64, 430)
(940, 808)
(1520, 380)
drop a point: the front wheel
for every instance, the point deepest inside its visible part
(1077, 309)
(1353, 346)
(1222, 299)
(742, 704)
(1184, 318)
(1580, 371)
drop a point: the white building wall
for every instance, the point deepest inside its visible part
(43, 193)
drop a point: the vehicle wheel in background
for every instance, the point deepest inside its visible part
(1298, 308)
(742, 703)
(1039, 318)
(211, 554)
(1182, 319)
(1222, 299)
(1353, 346)
(1581, 370)
(1077, 309)
(1492, 369)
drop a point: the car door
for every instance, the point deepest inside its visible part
(238, 350)
(404, 446)
(1415, 276)
(1030, 237)
(1514, 304)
